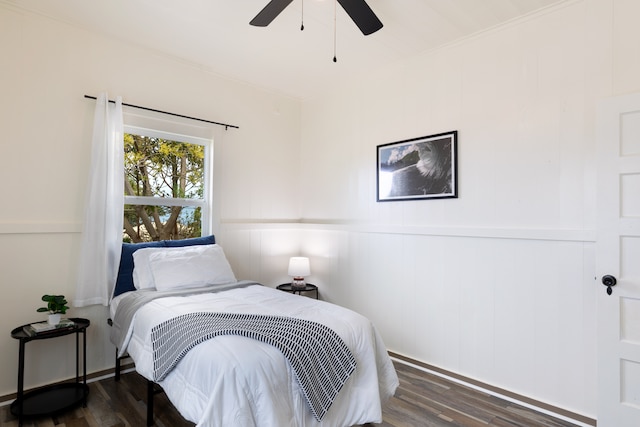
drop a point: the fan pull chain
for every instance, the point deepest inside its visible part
(335, 29)
(302, 17)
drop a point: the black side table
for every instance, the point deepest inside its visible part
(58, 397)
(308, 287)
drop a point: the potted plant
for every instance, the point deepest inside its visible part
(56, 306)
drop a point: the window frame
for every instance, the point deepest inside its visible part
(206, 203)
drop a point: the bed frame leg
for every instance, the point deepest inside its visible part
(117, 366)
(150, 393)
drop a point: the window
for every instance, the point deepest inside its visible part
(167, 186)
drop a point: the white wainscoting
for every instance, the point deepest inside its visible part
(514, 308)
(39, 227)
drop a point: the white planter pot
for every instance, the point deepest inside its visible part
(54, 319)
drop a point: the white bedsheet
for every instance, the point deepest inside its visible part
(238, 381)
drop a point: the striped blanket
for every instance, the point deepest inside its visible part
(319, 358)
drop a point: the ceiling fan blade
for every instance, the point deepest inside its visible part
(362, 15)
(269, 13)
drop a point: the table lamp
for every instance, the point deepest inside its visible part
(298, 269)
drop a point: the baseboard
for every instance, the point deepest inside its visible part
(570, 416)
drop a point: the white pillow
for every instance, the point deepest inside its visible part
(142, 277)
(189, 266)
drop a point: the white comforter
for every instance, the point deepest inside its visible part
(238, 381)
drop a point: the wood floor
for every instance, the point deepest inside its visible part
(422, 400)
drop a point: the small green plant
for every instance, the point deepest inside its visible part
(55, 304)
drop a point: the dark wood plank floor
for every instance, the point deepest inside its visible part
(422, 400)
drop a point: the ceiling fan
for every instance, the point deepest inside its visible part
(358, 10)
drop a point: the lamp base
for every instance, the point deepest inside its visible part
(298, 283)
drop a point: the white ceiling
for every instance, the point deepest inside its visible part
(216, 34)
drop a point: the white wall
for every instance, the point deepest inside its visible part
(45, 122)
(498, 284)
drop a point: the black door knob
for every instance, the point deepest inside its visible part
(609, 281)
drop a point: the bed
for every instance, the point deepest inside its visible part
(234, 352)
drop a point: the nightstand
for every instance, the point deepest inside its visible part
(53, 398)
(307, 288)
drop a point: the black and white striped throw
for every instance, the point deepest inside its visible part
(319, 358)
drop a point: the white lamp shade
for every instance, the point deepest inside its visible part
(299, 266)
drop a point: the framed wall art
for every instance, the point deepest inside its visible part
(418, 168)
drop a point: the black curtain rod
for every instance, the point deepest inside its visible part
(226, 126)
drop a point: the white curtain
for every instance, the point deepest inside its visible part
(101, 241)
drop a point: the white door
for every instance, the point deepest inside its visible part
(618, 258)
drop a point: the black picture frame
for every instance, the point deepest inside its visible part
(418, 168)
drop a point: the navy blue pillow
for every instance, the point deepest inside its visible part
(124, 282)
